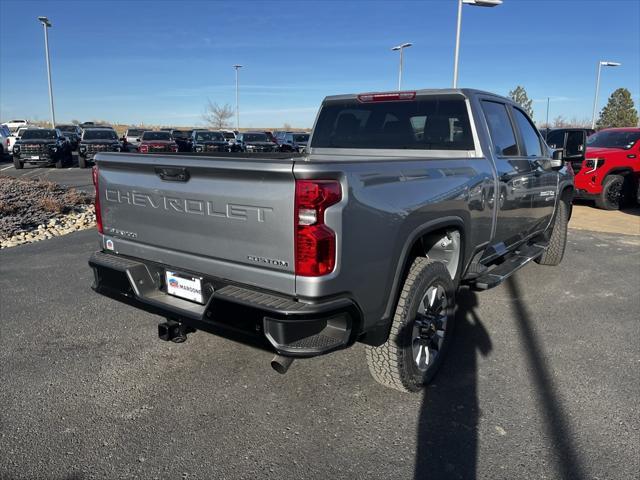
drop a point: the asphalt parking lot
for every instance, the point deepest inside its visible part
(542, 382)
(73, 176)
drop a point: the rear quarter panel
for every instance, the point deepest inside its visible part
(386, 204)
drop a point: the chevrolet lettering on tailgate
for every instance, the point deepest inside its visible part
(189, 206)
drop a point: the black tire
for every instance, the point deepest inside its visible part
(613, 192)
(557, 238)
(82, 161)
(17, 164)
(393, 363)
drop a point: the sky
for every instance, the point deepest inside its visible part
(160, 61)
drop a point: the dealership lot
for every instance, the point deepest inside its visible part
(542, 382)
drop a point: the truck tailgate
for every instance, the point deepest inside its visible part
(227, 217)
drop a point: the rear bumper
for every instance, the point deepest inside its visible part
(262, 319)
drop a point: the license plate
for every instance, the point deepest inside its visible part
(184, 286)
(35, 157)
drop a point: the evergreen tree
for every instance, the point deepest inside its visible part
(619, 111)
(519, 95)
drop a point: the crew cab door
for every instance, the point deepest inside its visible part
(544, 181)
(517, 179)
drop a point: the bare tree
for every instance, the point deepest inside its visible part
(580, 122)
(217, 116)
(560, 122)
(286, 126)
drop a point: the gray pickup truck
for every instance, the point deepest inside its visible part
(401, 198)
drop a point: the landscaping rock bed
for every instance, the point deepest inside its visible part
(34, 210)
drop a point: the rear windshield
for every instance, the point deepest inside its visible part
(67, 128)
(614, 139)
(134, 133)
(229, 135)
(209, 137)
(38, 134)
(99, 135)
(255, 137)
(302, 138)
(427, 124)
(156, 136)
(179, 134)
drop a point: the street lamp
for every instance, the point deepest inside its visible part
(237, 67)
(477, 3)
(401, 48)
(46, 24)
(595, 99)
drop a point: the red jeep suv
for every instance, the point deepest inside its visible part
(611, 169)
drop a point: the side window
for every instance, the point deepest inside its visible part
(529, 135)
(500, 128)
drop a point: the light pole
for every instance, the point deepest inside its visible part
(477, 3)
(547, 121)
(237, 67)
(46, 24)
(595, 99)
(401, 48)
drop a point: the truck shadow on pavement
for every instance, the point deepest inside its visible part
(448, 425)
(447, 445)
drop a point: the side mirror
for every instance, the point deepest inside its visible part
(138, 139)
(557, 159)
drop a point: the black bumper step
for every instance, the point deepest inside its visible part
(292, 327)
(514, 262)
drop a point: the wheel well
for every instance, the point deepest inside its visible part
(619, 171)
(443, 244)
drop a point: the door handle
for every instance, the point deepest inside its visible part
(172, 174)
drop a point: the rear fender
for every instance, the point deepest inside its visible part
(380, 332)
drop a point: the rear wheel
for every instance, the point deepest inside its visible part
(420, 332)
(613, 193)
(17, 163)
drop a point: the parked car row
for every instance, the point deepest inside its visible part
(606, 164)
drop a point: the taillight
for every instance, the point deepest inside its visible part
(386, 97)
(144, 148)
(96, 203)
(315, 242)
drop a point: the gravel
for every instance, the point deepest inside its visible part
(34, 210)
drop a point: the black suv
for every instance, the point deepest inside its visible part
(183, 139)
(96, 140)
(209, 141)
(42, 146)
(293, 141)
(255, 142)
(73, 134)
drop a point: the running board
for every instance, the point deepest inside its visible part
(512, 263)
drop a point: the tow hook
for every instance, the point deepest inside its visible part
(173, 331)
